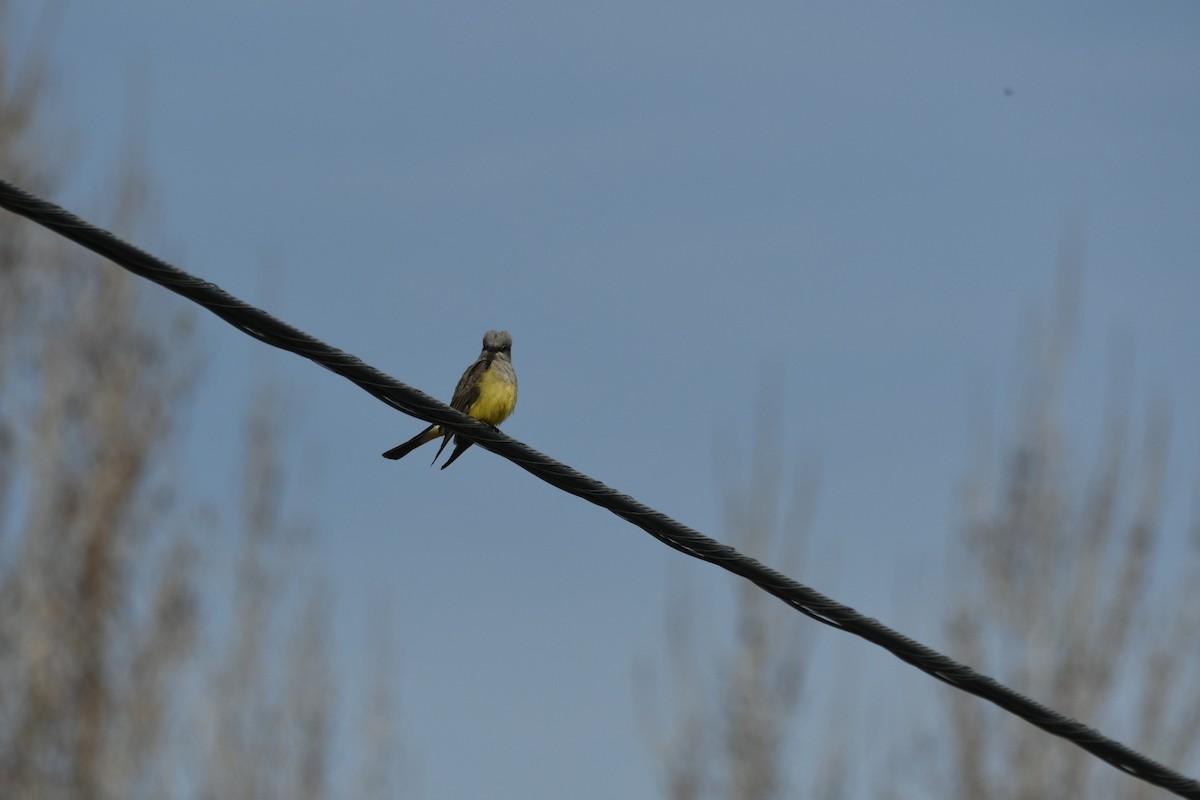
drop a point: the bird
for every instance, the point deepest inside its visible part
(487, 391)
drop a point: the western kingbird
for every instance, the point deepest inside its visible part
(487, 391)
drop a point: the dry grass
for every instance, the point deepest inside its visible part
(1059, 549)
(105, 689)
(732, 724)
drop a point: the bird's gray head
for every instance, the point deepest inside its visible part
(497, 342)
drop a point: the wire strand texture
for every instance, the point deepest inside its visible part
(268, 329)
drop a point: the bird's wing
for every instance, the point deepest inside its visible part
(467, 391)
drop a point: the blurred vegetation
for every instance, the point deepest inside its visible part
(1059, 595)
(736, 705)
(125, 670)
(1055, 592)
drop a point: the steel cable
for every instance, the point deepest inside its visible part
(268, 329)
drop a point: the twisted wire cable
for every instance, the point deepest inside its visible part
(268, 329)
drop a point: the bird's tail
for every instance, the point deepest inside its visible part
(460, 447)
(401, 450)
(445, 441)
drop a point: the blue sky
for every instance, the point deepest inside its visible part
(673, 207)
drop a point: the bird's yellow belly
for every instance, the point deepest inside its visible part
(497, 399)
